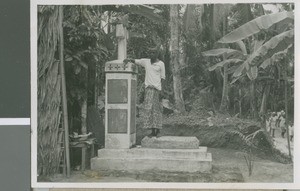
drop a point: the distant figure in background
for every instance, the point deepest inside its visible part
(268, 116)
(282, 124)
(155, 74)
(273, 122)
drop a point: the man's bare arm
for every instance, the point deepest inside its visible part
(141, 62)
(127, 60)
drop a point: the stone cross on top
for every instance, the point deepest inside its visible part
(122, 36)
(120, 98)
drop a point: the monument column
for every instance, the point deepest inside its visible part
(120, 102)
(122, 35)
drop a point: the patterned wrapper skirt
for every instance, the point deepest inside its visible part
(153, 109)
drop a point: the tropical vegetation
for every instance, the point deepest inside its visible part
(238, 59)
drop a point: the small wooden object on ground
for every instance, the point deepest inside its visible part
(84, 145)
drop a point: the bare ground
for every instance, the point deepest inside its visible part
(228, 166)
(263, 171)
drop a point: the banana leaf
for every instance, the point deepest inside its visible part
(223, 51)
(221, 64)
(235, 79)
(252, 73)
(239, 70)
(242, 46)
(232, 69)
(256, 25)
(257, 44)
(266, 63)
(274, 45)
(277, 55)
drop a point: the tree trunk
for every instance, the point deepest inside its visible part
(277, 93)
(84, 103)
(254, 112)
(240, 102)
(83, 116)
(212, 21)
(91, 84)
(182, 50)
(286, 108)
(49, 136)
(263, 107)
(224, 101)
(174, 49)
(64, 91)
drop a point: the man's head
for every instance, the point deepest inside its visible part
(153, 55)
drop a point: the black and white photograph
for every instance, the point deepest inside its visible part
(163, 93)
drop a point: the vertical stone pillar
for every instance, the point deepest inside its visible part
(120, 102)
(122, 35)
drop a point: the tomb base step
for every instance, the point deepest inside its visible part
(140, 152)
(170, 142)
(141, 159)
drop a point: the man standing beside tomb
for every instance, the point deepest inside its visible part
(155, 74)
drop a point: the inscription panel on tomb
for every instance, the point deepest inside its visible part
(117, 121)
(117, 91)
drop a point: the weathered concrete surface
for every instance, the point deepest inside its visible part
(158, 164)
(170, 142)
(145, 159)
(154, 153)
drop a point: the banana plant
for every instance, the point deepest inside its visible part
(277, 44)
(232, 58)
(282, 22)
(261, 50)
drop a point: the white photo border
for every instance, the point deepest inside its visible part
(33, 48)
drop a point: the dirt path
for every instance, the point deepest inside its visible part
(282, 144)
(263, 171)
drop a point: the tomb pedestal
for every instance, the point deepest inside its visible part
(120, 105)
(183, 156)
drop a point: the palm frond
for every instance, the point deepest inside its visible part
(248, 139)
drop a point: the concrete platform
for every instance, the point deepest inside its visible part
(170, 142)
(154, 153)
(145, 159)
(153, 164)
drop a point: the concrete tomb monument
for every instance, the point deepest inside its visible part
(166, 153)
